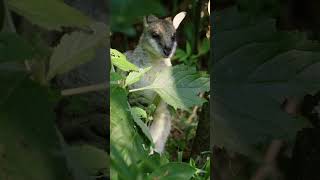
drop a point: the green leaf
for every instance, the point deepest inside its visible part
(136, 114)
(50, 14)
(14, 48)
(125, 137)
(91, 159)
(180, 85)
(254, 72)
(119, 60)
(134, 77)
(124, 13)
(179, 54)
(139, 112)
(75, 49)
(204, 47)
(115, 78)
(188, 49)
(173, 171)
(29, 145)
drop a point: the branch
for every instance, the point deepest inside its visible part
(85, 89)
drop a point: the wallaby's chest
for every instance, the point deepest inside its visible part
(143, 60)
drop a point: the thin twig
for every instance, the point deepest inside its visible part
(84, 89)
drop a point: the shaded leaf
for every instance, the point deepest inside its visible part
(14, 48)
(50, 14)
(29, 145)
(76, 49)
(254, 72)
(173, 171)
(124, 13)
(91, 159)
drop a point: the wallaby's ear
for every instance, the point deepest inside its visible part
(178, 18)
(149, 19)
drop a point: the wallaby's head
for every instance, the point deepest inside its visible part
(159, 35)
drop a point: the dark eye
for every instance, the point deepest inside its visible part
(173, 37)
(155, 35)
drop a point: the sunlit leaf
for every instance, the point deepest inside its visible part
(134, 77)
(179, 86)
(119, 60)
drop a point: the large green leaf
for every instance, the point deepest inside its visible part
(173, 171)
(255, 68)
(50, 14)
(75, 49)
(120, 61)
(91, 159)
(29, 146)
(123, 133)
(180, 86)
(14, 48)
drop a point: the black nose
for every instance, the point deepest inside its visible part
(166, 51)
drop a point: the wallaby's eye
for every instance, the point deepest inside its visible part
(173, 37)
(155, 35)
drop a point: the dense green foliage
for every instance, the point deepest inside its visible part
(250, 87)
(31, 146)
(130, 152)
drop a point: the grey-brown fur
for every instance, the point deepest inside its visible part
(156, 46)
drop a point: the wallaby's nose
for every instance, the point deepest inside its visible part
(167, 51)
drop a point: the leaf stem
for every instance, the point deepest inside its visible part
(139, 89)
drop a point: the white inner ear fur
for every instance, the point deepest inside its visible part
(178, 18)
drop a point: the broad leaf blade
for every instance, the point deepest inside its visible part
(50, 14)
(91, 159)
(119, 60)
(76, 49)
(253, 75)
(179, 86)
(123, 133)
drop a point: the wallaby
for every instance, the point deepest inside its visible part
(156, 46)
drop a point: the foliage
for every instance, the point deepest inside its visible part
(45, 14)
(31, 146)
(75, 49)
(131, 142)
(186, 56)
(179, 86)
(125, 13)
(250, 87)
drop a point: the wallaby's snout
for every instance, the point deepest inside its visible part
(167, 51)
